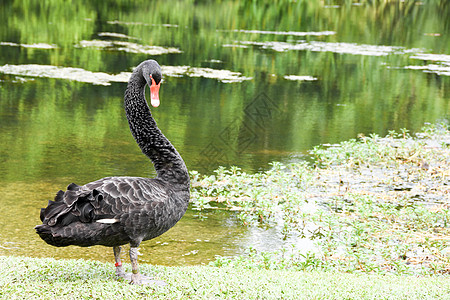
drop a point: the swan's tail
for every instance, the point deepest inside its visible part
(50, 233)
(65, 220)
(46, 233)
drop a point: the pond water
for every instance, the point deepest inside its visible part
(245, 84)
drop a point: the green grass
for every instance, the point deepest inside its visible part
(32, 278)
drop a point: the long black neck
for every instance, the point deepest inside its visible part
(168, 163)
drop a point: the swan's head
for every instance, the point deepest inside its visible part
(152, 74)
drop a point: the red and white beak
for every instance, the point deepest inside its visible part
(154, 93)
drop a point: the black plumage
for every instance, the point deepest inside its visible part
(114, 211)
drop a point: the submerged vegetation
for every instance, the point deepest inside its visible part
(376, 205)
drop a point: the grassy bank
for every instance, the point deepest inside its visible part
(372, 204)
(31, 278)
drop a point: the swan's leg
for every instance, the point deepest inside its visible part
(135, 276)
(119, 268)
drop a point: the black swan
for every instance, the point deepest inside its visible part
(114, 211)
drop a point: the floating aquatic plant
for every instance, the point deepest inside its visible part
(35, 45)
(127, 47)
(299, 78)
(101, 78)
(117, 35)
(317, 46)
(76, 74)
(293, 33)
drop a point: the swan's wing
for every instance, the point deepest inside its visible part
(125, 195)
(103, 201)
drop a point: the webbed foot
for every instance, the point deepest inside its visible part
(139, 279)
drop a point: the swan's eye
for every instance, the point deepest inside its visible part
(155, 78)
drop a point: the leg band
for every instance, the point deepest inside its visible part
(118, 264)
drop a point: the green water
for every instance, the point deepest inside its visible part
(368, 70)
